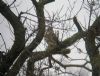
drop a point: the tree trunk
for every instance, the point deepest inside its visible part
(30, 68)
(96, 70)
(93, 52)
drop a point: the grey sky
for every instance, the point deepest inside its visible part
(52, 8)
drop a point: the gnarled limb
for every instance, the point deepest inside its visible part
(91, 47)
(25, 53)
(77, 24)
(19, 33)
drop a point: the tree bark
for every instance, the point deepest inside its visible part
(27, 51)
(19, 33)
(91, 47)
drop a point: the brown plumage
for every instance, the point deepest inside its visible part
(50, 37)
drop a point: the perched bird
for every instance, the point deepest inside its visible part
(50, 37)
(52, 40)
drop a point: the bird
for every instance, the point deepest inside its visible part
(51, 38)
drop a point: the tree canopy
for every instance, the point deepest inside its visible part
(43, 42)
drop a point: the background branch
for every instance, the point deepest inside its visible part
(77, 24)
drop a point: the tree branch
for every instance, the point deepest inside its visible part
(36, 56)
(71, 40)
(19, 33)
(91, 47)
(34, 2)
(47, 1)
(77, 24)
(25, 53)
(71, 65)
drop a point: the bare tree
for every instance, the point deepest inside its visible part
(31, 30)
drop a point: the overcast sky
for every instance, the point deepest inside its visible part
(23, 5)
(52, 8)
